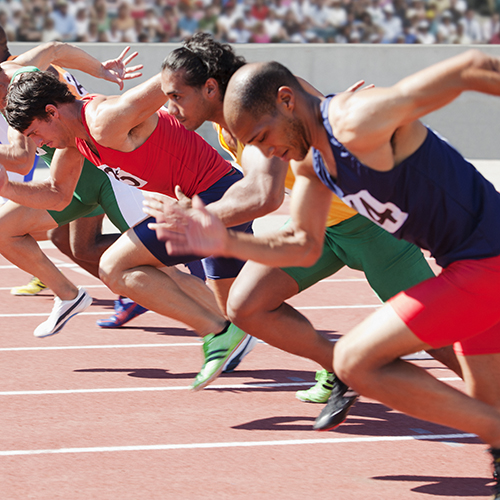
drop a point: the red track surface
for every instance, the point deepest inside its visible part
(107, 414)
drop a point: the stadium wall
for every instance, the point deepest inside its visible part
(469, 123)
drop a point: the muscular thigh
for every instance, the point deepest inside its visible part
(17, 220)
(258, 287)
(127, 252)
(377, 340)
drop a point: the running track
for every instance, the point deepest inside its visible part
(108, 415)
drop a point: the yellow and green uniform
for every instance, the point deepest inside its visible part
(390, 265)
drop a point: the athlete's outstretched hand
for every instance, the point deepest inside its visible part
(116, 70)
(186, 231)
(358, 85)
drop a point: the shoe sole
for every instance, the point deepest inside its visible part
(61, 326)
(341, 415)
(115, 325)
(219, 371)
(26, 294)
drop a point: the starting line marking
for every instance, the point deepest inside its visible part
(240, 444)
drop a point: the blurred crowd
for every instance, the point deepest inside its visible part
(254, 21)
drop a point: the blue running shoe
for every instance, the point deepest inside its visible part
(124, 312)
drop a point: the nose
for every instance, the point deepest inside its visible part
(172, 108)
(268, 151)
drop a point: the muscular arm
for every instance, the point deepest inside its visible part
(53, 193)
(71, 57)
(300, 244)
(260, 192)
(363, 121)
(114, 118)
(19, 154)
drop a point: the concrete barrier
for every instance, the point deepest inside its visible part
(469, 123)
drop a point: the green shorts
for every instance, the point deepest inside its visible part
(390, 265)
(97, 193)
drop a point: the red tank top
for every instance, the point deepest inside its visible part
(171, 156)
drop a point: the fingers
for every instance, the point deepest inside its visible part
(123, 53)
(179, 194)
(130, 57)
(198, 203)
(133, 71)
(356, 86)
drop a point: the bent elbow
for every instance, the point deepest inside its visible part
(274, 201)
(312, 256)
(61, 203)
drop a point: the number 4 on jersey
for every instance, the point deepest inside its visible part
(386, 215)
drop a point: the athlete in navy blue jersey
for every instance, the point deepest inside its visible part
(370, 148)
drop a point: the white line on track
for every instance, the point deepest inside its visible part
(4, 288)
(168, 388)
(304, 308)
(111, 346)
(242, 444)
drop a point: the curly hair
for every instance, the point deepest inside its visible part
(201, 58)
(29, 95)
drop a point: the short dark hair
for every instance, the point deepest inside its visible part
(257, 94)
(201, 57)
(29, 95)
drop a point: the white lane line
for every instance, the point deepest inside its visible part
(241, 444)
(111, 346)
(167, 388)
(4, 288)
(259, 385)
(304, 308)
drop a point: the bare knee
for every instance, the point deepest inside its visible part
(241, 305)
(60, 238)
(111, 272)
(346, 363)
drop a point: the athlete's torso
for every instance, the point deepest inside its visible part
(171, 156)
(434, 198)
(338, 211)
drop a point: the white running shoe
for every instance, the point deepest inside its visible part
(62, 312)
(246, 346)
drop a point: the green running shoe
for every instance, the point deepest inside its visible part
(320, 392)
(217, 350)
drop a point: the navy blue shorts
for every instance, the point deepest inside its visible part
(214, 267)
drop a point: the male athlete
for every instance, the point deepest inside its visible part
(142, 144)
(194, 78)
(17, 221)
(82, 239)
(371, 149)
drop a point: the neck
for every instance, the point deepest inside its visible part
(312, 120)
(74, 122)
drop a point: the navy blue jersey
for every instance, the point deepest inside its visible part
(434, 198)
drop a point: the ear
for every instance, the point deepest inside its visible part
(211, 88)
(285, 99)
(52, 111)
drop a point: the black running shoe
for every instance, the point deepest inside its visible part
(495, 452)
(337, 408)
